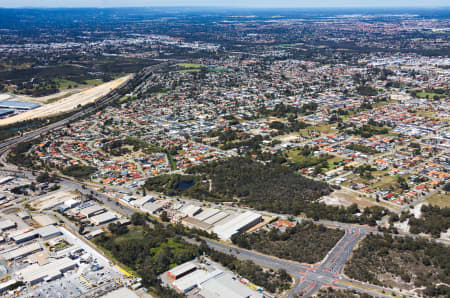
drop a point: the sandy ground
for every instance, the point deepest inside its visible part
(346, 198)
(69, 103)
(417, 210)
(402, 226)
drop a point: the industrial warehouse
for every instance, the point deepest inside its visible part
(18, 105)
(35, 261)
(204, 278)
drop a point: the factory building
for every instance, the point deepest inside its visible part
(18, 105)
(192, 222)
(192, 280)
(182, 270)
(5, 112)
(46, 232)
(7, 224)
(190, 210)
(216, 218)
(103, 218)
(207, 213)
(5, 285)
(21, 252)
(35, 273)
(140, 202)
(237, 225)
(92, 210)
(210, 282)
(224, 286)
(151, 207)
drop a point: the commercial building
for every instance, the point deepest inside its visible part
(192, 222)
(35, 273)
(5, 285)
(121, 293)
(152, 208)
(23, 215)
(224, 286)
(5, 112)
(207, 213)
(182, 270)
(92, 210)
(217, 218)
(18, 105)
(190, 210)
(237, 225)
(46, 232)
(211, 281)
(71, 203)
(103, 218)
(140, 202)
(7, 224)
(192, 280)
(21, 252)
(4, 180)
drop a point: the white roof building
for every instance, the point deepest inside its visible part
(194, 279)
(140, 202)
(190, 210)
(103, 218)
(7, 224)
(22, 252)
(207, 213)
(35, 273)
(92, 210)
(237, 225)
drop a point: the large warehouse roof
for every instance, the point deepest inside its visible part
(7, 224)
(36, 273)
(236, 225)
(21, 105)
(224, 286)
(206, 213)
(22, 251)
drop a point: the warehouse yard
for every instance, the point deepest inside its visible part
(69, 103)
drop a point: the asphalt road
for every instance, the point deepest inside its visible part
(310, 278)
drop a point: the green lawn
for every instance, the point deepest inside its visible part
(136, 233)
(190, 65)
(190, 70)
(429, 95)
(94, 82)
(322, 128)
(332, 160)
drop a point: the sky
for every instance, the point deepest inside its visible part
(225, 3)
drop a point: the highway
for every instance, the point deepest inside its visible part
(69, 103)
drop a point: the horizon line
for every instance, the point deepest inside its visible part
(231, 6)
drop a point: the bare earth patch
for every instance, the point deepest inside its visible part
(69, 103)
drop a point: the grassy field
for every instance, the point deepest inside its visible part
(332, 160)
(440, 199)
(429, 95)
(190, 70)
(190, 65)
(322, 128)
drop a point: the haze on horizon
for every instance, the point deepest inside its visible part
(229, 3)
